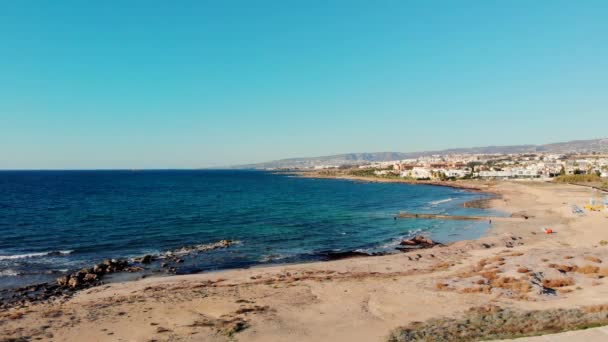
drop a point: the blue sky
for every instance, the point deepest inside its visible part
(168, 84)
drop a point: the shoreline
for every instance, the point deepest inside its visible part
(133, 269)
(469, 185)
(133, 266)
(355, 299)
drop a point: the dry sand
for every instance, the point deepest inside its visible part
(359, 299)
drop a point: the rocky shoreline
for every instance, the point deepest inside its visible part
(163, 263)
(415, 243)
(87, 277)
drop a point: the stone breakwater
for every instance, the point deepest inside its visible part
(177, 256)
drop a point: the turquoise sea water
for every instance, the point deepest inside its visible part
(55, 221)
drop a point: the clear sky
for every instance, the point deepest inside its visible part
(172, 84)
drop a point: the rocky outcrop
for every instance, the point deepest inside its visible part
(199, 248)
(176, 255)
(146, 259)
(417, 242)
(114, 265)
(68, 284)
(91, 276)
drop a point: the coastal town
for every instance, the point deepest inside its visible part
(485, 166)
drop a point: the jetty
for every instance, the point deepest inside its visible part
(450, 217)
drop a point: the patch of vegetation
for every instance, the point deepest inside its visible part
(235, 326)
(371, 173)
(363, 172)
(330, 172)
(578, 178)
(491, 322)
(554, 283)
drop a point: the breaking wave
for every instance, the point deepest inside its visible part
(440, 201)
(8, 273)
(34, 255)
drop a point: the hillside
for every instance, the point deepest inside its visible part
(575, 146)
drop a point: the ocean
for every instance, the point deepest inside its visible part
(53, 222)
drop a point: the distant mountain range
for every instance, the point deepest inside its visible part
(575, 146)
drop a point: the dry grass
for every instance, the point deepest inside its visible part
(593, 259)
(513, 254)
(555, 283)
(477, 289)
(596, 308)
(490, 275)
(587, 269)
(563, 268)
(519, 286)
(441, 266)
(496, 323)
(577, 178)
(52, 313)
(441, 286)
(15, 315)
(485, 262)
(495, 259)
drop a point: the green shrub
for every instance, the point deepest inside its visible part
(578, 178)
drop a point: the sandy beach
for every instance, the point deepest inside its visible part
(516, 266)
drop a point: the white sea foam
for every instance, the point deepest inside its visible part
(414, 232)
(391, 244)
(440, 201)
(8, 273)
(34, 255)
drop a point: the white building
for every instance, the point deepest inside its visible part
(457, 173)
(382, 172)
(495, 174)
(418, 173)
(516, 172)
